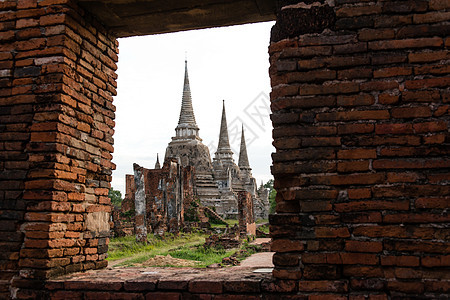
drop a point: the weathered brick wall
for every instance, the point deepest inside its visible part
(57, 79)
(360, 103)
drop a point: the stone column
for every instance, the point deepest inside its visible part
(140, 219)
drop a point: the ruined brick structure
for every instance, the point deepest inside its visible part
(360, 106)
(217, 183)
(155, 199)
(246, 217)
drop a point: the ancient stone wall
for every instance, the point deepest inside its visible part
(360, 105)
(57, 79)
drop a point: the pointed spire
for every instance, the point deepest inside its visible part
(157, 165)
(224, 149)
(187, 112)
(243, 157)
(187, 126)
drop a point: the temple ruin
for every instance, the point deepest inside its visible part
(159, 196)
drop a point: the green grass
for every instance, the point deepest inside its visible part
(127, 249)
(206, 256)
(186, 246)
(230, 222)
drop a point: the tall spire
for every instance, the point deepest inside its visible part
(187, 127)
(243, 157)
(224, 149)
(157, 165)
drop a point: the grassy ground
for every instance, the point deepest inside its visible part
(126, 252)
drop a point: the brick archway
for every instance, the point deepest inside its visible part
(360, 115)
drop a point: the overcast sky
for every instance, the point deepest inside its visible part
(229, 63)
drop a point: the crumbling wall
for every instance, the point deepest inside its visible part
(247, 223)
(155, 199)
(360, 115)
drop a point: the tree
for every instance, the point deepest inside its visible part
(272, 195)
(115, 196)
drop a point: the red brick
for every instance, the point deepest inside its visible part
(392, 72)
(433, 69)
(354, 73)
(406, 287)
(357, 153)
(353, 166)
(378, 85)
(421, 96)
(436, 261)
(363, 271)
(388, 99)
(283, 245)
(430, 126)
(371, 205)
(163, 296)
(311, 76)
(341, 88)
(323, 286)
(404, 260)
(429, 56)
(355, 128)
(353, 115)
(410, 164)
(359, 193)
(435, 139)
(400, 128)
(442, 203)
(205, 286)
(350, 179)
(416, 218)
(439, 286)
(431, 17)
(402, 177)
(357, 100)
(427, 83)
(362, 246)
(411, 112)
(353, 11)
(350, 48)
(406, 43)
(367, 34)
(327, 232)
(283, 286)
(306, 51)
(405, 6)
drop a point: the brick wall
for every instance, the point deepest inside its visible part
(57, 79)
(360, 105)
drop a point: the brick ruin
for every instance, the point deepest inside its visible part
(360, 113)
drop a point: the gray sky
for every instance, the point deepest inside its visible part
(229, 63)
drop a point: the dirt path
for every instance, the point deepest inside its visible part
(258, 260)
